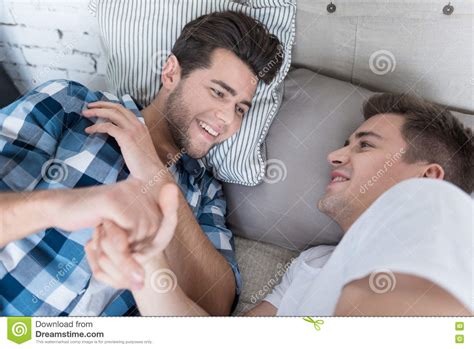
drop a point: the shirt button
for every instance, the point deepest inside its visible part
(331, 8)
(448, 9)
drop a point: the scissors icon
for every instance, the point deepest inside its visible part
(316, 323)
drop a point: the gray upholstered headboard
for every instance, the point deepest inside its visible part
(392, 45)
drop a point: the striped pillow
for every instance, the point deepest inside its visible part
(139, 35)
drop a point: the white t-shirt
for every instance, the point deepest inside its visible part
(421, 227)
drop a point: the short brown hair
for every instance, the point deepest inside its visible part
(432, 133)
(245, 36)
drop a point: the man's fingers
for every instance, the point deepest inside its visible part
(110, 255)
(112, 115)
(169, 203)
(137, 246)
(128, 114)
(107, 279)
(100, 268)
(91, 252)
(110, 273)
(169, 199)
(106, 127)
(149, 227)
(105, 104)
(115, 246)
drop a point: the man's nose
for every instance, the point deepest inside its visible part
(339, 157)
(225, 116)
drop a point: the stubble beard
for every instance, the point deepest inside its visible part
(337, 207)
(177, 120)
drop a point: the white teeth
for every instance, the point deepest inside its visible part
(339, 179)
(208, 128)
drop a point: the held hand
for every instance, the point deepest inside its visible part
(125, 203)
(121, 264)
(131, 135)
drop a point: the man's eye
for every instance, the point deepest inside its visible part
(365, 145)
(240, 111)
(217, 93)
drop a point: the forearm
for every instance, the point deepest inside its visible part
(152, 300)
(203, 273)
(162, 297)
(22, 214)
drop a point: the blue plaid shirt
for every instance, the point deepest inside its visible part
(43, 146)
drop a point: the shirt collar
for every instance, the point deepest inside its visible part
(194, 167)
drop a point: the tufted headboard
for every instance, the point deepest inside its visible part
(423, 47)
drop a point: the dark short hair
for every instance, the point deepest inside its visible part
(245, 36)
(432, 134)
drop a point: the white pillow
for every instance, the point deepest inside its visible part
(139, 35)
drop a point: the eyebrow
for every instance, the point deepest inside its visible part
(367, 134)
(231, 91)
(361, 134)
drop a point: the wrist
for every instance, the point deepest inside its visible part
(158, 261)
(72, 209)
(52, 203)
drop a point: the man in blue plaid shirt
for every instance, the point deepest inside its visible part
(74, 161)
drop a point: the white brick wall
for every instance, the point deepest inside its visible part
(42, 40)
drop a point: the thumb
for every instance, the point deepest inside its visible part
(168, 203)
(168, 200)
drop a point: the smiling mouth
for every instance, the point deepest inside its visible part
(208, 129)
(338, 179)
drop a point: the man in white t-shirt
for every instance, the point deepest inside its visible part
(399, 190)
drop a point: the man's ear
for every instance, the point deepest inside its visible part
(171, 73)
(434, 171)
